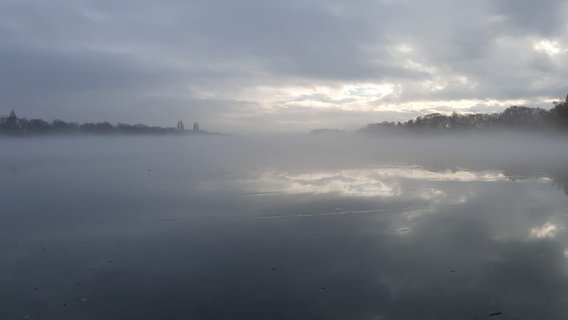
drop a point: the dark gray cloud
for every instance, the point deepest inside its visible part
(546, 18)
(32, 71)
(255, 53)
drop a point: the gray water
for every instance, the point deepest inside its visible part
(283, 228)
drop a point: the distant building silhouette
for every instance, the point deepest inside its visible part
(196, 126)
(180, 126)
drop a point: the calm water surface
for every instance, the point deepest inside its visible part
(218, 228)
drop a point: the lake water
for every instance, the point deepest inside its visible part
(283, 228)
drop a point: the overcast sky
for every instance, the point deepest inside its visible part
(282, 66)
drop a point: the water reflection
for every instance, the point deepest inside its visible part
(381, 241)
(378, 182)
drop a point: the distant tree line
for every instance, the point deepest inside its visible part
(12, 125)
(515, 117)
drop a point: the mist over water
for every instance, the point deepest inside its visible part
(284, 227)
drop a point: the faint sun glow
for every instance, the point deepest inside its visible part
(549, 47)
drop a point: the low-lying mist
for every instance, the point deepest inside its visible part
(292, 152)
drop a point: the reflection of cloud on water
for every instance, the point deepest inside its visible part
(419, 173)
(385, 182)
(434, 195)
(347, 182)
(412, 194)
(548, 230)
(381, 182)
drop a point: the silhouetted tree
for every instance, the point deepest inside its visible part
(37, 126)
(560, 112)
(515, 117)
(11, 125)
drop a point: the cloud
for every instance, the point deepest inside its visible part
(249, 53)
(34, 71)
(545, 18)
